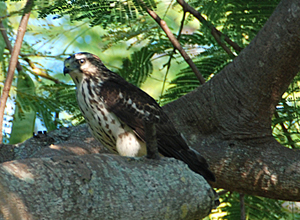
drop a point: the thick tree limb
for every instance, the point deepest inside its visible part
(64, 177)
(228, 119)
(63, 142)
(102, 187)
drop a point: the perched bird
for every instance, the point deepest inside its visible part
(114, 110)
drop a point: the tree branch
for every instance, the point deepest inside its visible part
(174, 41)
(10, 14)
(215, 33)
(35, 70)
(168, 64)
(228, 119)
(8, 44)
(39, 72)
(13, 61)
(93, 186)
(59, 56)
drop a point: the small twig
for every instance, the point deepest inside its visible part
(10, 14)
(167, 10)
(168, 64)
(13, 61)
(242, 205)
(40, 72)
(35, 70)
(216, 34)
(174, 41)
(8, 44)
(59, 56)
(151, 140)
(69, 30)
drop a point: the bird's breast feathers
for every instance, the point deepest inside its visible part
(105, 125)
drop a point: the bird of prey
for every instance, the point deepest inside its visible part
(114, 110)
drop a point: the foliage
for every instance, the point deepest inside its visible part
(256, 208)
(286, 120)
(51, 99)
(24, 116)
(209, 63)
(143, 50)
(103, 12)
(138, 68)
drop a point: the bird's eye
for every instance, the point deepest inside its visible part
(81, 61)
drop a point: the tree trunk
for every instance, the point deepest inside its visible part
(228, 119)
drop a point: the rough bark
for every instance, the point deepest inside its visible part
(228, 119)
(102, 186)
(64, 142)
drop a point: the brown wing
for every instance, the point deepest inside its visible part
(129, 103)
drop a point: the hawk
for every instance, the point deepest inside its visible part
(114, 110)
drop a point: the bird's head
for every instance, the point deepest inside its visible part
(83, 64)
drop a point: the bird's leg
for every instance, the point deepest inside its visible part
(151, 140)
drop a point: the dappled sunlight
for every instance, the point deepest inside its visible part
(75, 150)
(12, 203)
(12, 206)
(19, 170)
(263, 176)
(267, 178)
(55, 147)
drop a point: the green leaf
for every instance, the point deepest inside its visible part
(50, 99)
(209, 63)
(256, 208)
(100, 12)
(136, 69)
(24, 116)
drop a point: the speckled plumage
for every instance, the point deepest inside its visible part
(114, 110)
